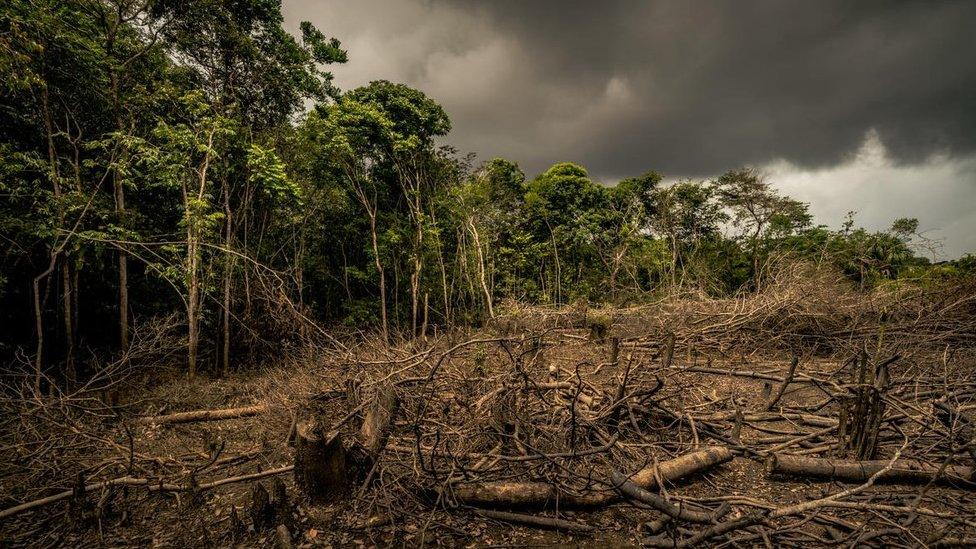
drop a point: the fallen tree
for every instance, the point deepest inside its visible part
(903, 471)
(203, 415)
(547, 495)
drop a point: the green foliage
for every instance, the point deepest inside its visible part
(266, 171)
(175, 133)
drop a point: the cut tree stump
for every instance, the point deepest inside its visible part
(261, 511)
(322, 464)
(379, 418)
(904, 471)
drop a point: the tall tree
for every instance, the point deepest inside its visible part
(756, 207)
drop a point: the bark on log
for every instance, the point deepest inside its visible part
(322, 464)
(541, 494)
(682, 466)
(904, 471)
(525, 495)
(203, 415)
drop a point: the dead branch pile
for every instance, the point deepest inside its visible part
(801, 307)
(551, 423)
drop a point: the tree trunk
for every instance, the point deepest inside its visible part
(543, 494)
(379, 269)
(203, 415)
(123, 282)
(39, 323)
(69, 333)
(228, 274)
(192, 303)
(481, 268)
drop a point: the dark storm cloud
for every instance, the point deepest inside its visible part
(696, 88)
(685, 87)
(716, 84)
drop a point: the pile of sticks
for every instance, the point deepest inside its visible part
(550, 428)
(527, 428)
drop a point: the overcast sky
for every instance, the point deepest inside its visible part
(866, 106)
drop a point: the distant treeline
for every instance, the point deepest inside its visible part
(157, 158)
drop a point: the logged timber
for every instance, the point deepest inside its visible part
(541, 494)
(682, 466)
(904, 471)
(203, 415)
(322, 464)
(524, 495)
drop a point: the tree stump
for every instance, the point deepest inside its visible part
(262, 512)
(322, 464)
(282, 505)
(379, 419)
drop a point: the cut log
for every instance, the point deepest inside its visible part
(904, 471)
(525, 495)
(322, 464)
(682, 466)
(203, 415)
(541, 494)
(153, 485)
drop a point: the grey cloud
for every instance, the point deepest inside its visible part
(686, 88)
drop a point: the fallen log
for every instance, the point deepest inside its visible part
(806, 419)
(203, 415)
(802, 378)
(525, 495)
(903, 471)
(533, 520)
(682, 466)
(631, 490)
(543, 494)
(152, 485)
